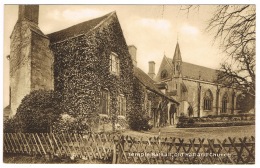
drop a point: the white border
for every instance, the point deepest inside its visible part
(2, 2)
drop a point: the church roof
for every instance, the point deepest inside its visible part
(81, 28)
(149, 83)
(198, 72)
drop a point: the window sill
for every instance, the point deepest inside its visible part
(208, 110)
(103, 116)
(121, 117)
(114, 73)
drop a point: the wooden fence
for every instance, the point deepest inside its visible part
(125, 149)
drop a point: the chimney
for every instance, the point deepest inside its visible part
(29, 12)
(151, 72)
(132, 50)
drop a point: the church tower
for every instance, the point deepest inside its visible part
(177, 73)
(177, 62)
(31, 60)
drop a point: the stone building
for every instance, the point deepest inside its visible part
(196, 88)
(88, 64)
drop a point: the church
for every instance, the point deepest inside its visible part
(196, 88)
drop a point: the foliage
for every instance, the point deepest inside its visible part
(138, 118)
(67, 123)
(214, 124)
(247, 103)
(81, 71)
(37, 112)
(10, 125)
(139, 121)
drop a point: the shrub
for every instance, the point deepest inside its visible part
(67, 123)
(10, 125)
(191, 121)
(139, 121)
(37, 112)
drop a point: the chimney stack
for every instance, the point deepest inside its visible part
(151, 72)
(29, 12)
(132, 50)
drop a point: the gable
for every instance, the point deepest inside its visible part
(78, 29)
(164, 67)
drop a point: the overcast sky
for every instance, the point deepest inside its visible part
(153, 29)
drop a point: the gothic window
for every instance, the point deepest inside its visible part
(164, 74)
(114, 64)
(208, 99)
(178, 67)
(122, 105)
(224, 103)
(104, 102)
(239, 102)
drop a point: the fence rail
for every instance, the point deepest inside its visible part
(125, 149)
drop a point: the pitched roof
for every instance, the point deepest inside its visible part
(78, 29)
(198, 72)
(149, 83)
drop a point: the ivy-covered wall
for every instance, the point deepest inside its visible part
(81, 70)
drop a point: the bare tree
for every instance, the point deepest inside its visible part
(234, 28)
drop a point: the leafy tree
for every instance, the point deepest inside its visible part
(37, 112)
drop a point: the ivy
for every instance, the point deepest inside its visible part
(81, 70)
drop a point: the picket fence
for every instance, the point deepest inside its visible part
(116, 148)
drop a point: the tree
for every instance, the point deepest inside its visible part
(37, 112)
(234, 29)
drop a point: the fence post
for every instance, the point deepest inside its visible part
(114, 154)
(120, 149)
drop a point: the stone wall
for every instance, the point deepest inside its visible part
(30, 62)
(42, 63)
(20, 65)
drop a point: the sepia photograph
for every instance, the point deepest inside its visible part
(129, 84)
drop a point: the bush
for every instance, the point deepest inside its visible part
(139, 121)
(10, 125)
(67, 123)
(37, 112)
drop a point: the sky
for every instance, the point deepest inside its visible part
(153, 29)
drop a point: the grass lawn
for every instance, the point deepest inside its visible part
(204, 132)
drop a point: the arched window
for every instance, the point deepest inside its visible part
(224, 103)
(239, 102)
(104, 101)
(164, 74)
(208, 99)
